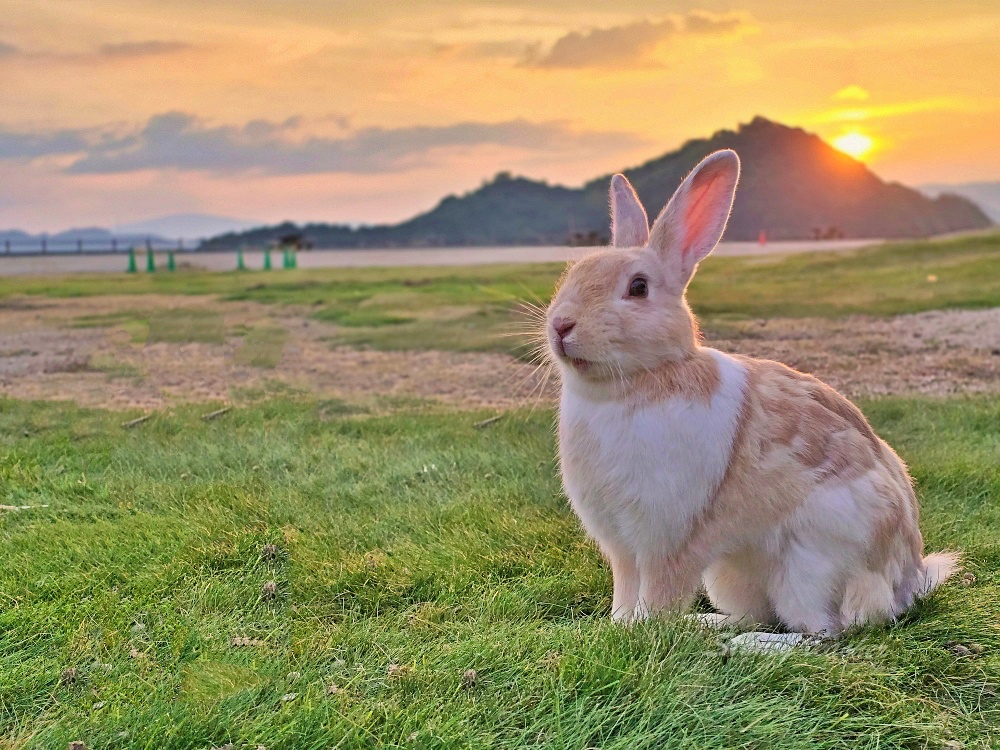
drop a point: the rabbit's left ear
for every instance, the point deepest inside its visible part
(629, 225)
(693, 221)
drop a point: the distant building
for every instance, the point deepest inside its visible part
(294, 240)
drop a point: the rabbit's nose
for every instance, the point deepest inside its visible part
(562, 326)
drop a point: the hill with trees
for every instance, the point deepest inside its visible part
(794, 185)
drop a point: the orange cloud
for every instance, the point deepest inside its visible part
(629, 44)
(851, 92)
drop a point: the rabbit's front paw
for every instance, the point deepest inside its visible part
(641, 613)
(712, 620)
(623, 614)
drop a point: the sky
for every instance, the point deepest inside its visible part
(114, 111)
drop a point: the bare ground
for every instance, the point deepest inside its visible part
(44, 355)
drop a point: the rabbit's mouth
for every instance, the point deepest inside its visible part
(563, 352)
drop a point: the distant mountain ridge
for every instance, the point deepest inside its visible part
(986, 195)
(793, 186)
(69, 239)
(186, 226)
(160, 231)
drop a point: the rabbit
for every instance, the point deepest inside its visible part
(689, 466)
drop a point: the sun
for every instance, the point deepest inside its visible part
(854, 144)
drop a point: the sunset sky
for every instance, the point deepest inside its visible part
(366, 111)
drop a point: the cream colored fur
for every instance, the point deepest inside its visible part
(689, 466)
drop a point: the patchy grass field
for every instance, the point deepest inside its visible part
(142, 606)
(465, 309)
(306, 572)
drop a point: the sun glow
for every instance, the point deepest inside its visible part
(854, 144)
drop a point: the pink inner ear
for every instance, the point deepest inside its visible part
(693, 221)
(701, 214)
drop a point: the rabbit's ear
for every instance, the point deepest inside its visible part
(693, 221)
(629, 225)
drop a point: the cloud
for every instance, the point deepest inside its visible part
(142, 49)
(853, 91)
(702, 22)
(631, 44)
(614, 47)
(21, 146)
(952, 104)
(104, 53)
(180, 141)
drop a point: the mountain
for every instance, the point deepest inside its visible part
(186, 226)
(794, 186)
(83, 239)
(793, 183)
(984, 194)
(164, 231)
(15, 235)
(87, 234)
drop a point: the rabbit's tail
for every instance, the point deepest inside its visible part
(938, 567)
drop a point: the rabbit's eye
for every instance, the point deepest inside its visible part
(638, 287)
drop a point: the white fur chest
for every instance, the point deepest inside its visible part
(638, 477)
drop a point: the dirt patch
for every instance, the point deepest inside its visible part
(263, 349)
(938, 353)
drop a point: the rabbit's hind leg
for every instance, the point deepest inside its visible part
(737, 587)
(803, 588)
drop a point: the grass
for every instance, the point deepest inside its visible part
(170, 325)
(187, 584)
(465, 308)
(408, 549)
(263, 344)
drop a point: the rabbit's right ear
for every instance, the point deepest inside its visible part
(692, 223)
(629, 225)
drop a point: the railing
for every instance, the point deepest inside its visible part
(45, 246)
